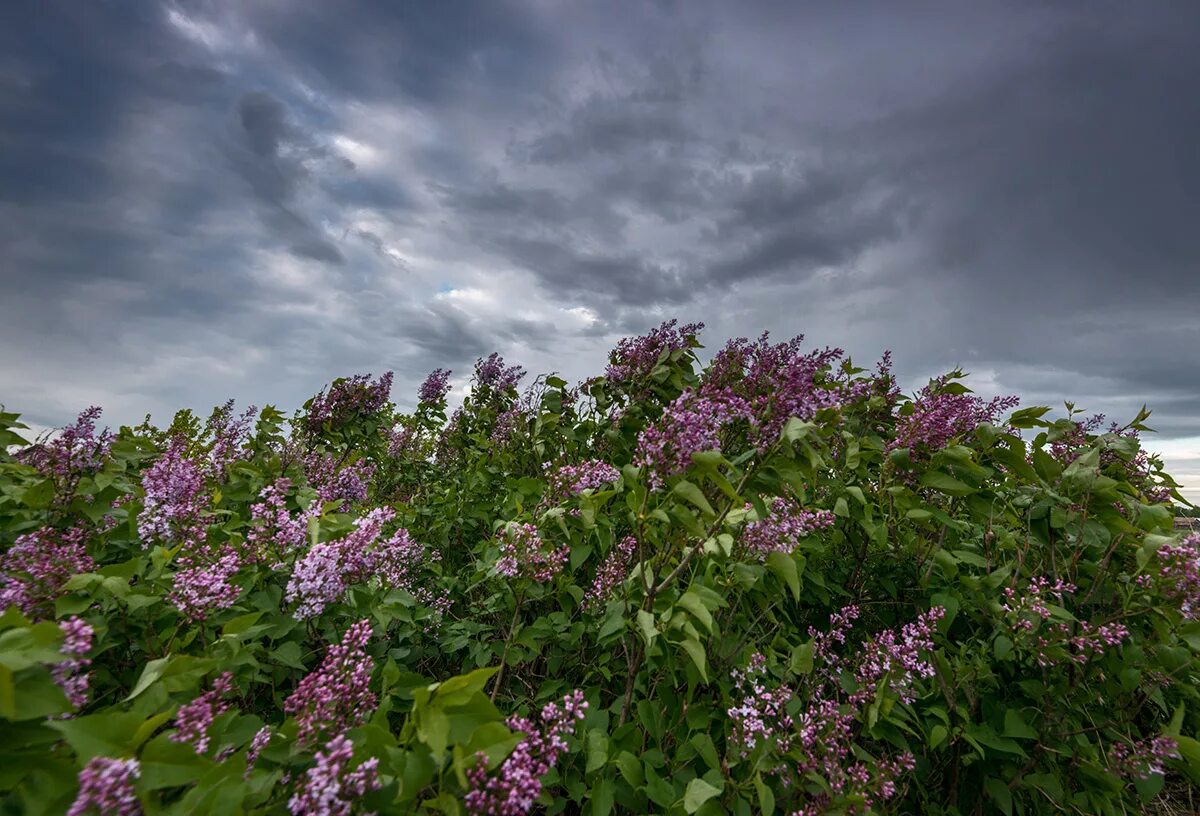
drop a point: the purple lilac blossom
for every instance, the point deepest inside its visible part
(436, 387)
(193, 719)
(347, 484)
(523, 553)
(635, 357)
(275, 533)
(75, 450)
(71, 674)
(262, 738)
(200, 590)
(106, 788)
(494, 374)
(35, 568)
(347, 398)
(329, 788)
(229, 436)
(611, 573)
(571, 480)
(784, 529)
(1177, 574)
(939, 416)
(336, 696)
(691, 424)
(328, 569)
(516, 785)
(175, 502)
(1141, 760)
(777, 382)
(1028, 617)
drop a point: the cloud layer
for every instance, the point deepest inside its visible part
(208, 200)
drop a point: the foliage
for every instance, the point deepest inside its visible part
(772, 584)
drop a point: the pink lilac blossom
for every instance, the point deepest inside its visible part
(175, 501)
(275, 533)
(571, 480)
(523, 553)
(346, 484)
(507, 423)
(436, 387)
(193, 719)
(35, 568)
(492, 373)
(635, 357)
(329, 788)
(401, 443)
(777, 382)
(71, 674)
(784, 529)
(939, 416)
(1141, 760)
(106, 788)
(327, 570)
(898, 657)
(347, 398)
(515, 786)
(611, 573)
(1177, 574)
(229, 437)
(1028, 614)
(336, 696)
(818, 740)
(261, 739)
(200, 590)
(76, 450)
(691, 424)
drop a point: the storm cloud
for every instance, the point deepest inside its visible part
(204, 200)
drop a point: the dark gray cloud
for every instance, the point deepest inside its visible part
(200, 200)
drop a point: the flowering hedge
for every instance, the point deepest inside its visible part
(772, 584)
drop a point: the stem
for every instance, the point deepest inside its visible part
(512, 630)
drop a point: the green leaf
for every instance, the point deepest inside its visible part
(802, 658)
(694, 495)
(596, 749)
(150, 673)
(167, 764)
(945, 483)
(630, 768)
(784, 566)
(646, 625)
(937, 735)
(110, 733)
(766, 799)
(698, 792)
(1015, 726)
(999, 793)
(692, 603)
(696, 652)
(602, 797)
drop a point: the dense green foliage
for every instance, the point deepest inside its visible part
(814, 595)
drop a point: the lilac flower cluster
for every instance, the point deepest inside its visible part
(347, 398)
(524, 553)
(76, 450)
(206, 587)
(777, 381)
(336, 696)
(193, 719)
(106, 788)
(329, 568)
(262, 737)
(784, 529)
(635, 357)
(819, 739)
(939, 416)
(436, 387)
(515, 787)
(1141, 760)
(71, 674)
(571, 480)
(276, 533)
(329, 787)
(611, 574)
(898, 657)
(397, 560)
(401, 443)
(494, 374)
(35, 568)
(689, 425)
(175, 500)
(507, 423)
(347, 484)
(1079, 642)
(229, 436)
(1177, 574)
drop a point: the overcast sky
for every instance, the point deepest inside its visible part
(210, 200)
